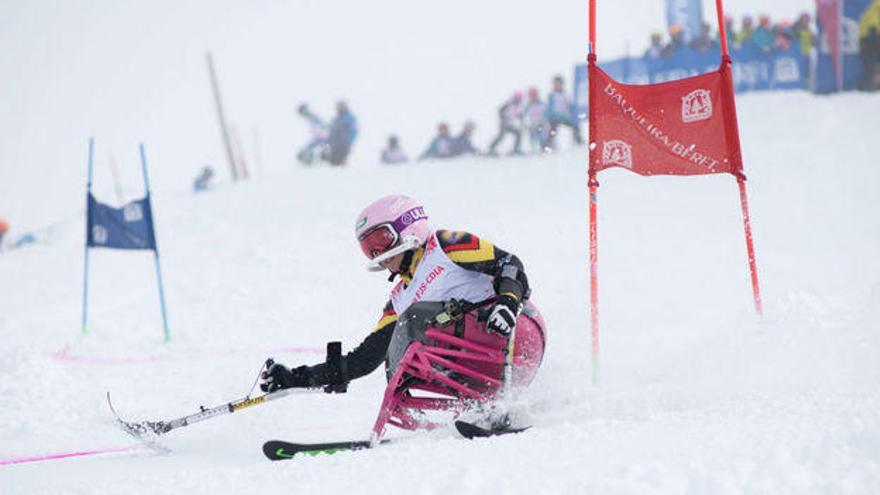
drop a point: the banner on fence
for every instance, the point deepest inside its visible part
(754, 70)
(839, 61)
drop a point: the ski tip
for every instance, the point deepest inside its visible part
(112, 409)
(270, 450)
(472, 431)
(277, 450)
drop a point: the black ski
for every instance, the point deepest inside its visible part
(277, 450)
(470, 430)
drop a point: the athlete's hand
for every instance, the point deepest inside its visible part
(278, 376)
(502, 318)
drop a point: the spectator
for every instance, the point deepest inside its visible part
(533, 118)
(4, 228)
(656, 48)
(509, 115)
(318, 143)
(560, 111)
(803, 34)
(676, 41)
(441, 146)
(392, 153)
(203, 180)
(462, 144)
(703, 41)
(763, 35)
(343, 133)
(729, 29)
(744, 36)
(782, 36)
(869, 47)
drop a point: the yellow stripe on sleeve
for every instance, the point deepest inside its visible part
(385, 320)
(484, 252)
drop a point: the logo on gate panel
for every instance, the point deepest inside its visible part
(616, 152)
(99, 234)
(133, 212)
(696, 106)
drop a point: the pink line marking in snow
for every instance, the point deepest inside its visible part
(64, 455)
(64, 355)
(305, 350)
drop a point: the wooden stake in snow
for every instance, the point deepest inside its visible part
(224, 131)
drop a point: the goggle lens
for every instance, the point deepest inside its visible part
(378, 240)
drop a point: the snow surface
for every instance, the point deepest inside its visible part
(697, 394)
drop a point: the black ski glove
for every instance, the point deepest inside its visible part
(278, 376)
(502, 318)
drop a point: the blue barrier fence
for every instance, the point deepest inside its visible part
(753, 70)
(848, 18)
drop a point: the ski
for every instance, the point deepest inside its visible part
(146, 432)
(277, 450)
(471, 431)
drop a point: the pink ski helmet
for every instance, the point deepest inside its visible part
(390, 226)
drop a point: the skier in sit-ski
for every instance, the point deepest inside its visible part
(434, 267)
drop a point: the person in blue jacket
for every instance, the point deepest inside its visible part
(462, 144)
(763, 36)
(203, 181)
(441, 146)
(560, 111)
(343, 133)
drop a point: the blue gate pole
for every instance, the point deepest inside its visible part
(85, 328)
(156, 247)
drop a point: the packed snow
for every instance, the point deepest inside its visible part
(696, 395)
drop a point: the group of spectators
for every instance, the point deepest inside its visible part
(767, 36)
(518, 116)
(537, 120)
(869, 47)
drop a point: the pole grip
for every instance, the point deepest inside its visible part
(336, 369)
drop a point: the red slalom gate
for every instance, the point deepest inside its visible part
(682, 127)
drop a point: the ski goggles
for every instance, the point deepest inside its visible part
(379, 239)
(384, 236)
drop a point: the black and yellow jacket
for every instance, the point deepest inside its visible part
(465, 250)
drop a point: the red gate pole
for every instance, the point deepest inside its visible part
(592, 26)
(593, 185)
(594, 282)
(733, 138)
(719, 9)
(750, 245)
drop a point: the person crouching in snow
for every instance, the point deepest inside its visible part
(4, 228)
(425, 344)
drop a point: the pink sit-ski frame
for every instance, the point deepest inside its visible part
(429, 365)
